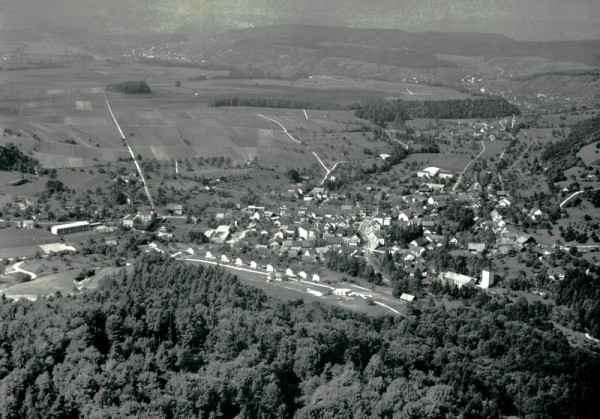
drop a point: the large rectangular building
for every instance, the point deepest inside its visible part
(70, 228)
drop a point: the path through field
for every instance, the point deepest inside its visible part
(327, 170)
(467, 166)
(135, 161)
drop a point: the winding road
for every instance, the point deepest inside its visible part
(17, 268)
(327, 170)
(574, 194)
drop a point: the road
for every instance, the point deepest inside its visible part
(363, 229)
(389, 134)
(11, 182)
(467, 166)
(299, 142)
(135, 161)
(17, 268)
(574, 194)
(518, 159)
(380, 298)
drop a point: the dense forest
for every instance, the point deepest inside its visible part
(172, 340)
(562, 155)
(130, 87)
(580, 291)
(381, 112)
(274, 103)
(11, 158)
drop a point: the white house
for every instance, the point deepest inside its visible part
(342, 291)
(209, 255)
(504, 203)
(302, 275)
(253, 265)
(270, 268)
(316, 278)
(289, 272)
(239, 262)
(535, 214)
(224, 259)
(457, 279)
(428, 172)
(446, 175)
(306, 231)
(403, 217)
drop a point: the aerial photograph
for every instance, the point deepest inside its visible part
(312, 209)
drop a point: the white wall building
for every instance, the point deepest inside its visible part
(487, 278)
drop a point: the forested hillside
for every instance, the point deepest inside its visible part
(11, 158)
(562, 155)
(177, 341)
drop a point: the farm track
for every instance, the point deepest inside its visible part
(135, 161)
(574, 194)
(460, 177)
(518, 160)
(327, 170)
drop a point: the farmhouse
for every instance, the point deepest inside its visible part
(70, 228)
(142, 217)
(457, 279)
(220, 235)
(28, 224)
(428, 172)
(175, 209)
(525, 240)
(476, 247)
(445, 175)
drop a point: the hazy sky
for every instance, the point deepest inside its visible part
(533, 19)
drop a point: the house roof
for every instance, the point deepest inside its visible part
(420, 242)
(476, 247)
(525, 240)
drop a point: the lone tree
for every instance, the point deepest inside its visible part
(177, 83)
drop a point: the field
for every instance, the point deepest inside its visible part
(14, 237)
(590, 154)
(65, 109)
(63, 282)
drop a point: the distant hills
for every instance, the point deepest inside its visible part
(398, 47)
(531, 19)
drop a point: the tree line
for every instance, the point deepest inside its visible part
(12, 158)
(380, 112)
(258, 102)
(130, 87)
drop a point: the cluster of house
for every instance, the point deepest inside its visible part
(273, 272)
(303, 232)
(482, 130)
